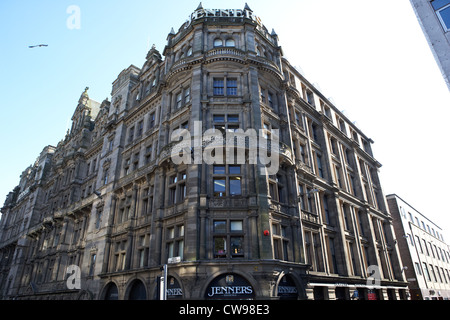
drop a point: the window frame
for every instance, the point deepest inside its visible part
(438, 10)
(225, 236)
(227, 177)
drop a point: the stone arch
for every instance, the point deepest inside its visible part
(288, 287)
(136, 290)
(110, 291)
(241, 286)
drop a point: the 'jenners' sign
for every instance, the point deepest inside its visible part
(230, 291)
(229, 286)
(224, 13)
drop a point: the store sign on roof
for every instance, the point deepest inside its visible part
(224, 13)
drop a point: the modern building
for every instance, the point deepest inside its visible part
(424, 253)
(295, 212)
(434, 18)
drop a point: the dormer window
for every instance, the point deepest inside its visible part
(218, 43)
(230, 43)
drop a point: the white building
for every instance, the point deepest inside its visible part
(425, 255)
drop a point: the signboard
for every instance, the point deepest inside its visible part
(287, 288)
(371, 295)
(229, 286)
(174, 290)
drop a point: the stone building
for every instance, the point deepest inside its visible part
(425, 254)
(98, 215)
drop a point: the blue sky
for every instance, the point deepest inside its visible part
(371, 58)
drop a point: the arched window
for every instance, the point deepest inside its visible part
(229, 43)
(258, 51)
(137, 291)
(218, 43)
(189, 52)
(112, 293)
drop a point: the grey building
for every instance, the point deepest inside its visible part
(434, 18)
(131, 187)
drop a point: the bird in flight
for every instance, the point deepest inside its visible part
(39, 45)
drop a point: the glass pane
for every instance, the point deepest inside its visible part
(171, 233)
(219, 170)
(233, 118)
(437, 4)
(229, 43)
(180, 248)
(232, 127)
(445, 16)
(219, 118)
(181, 231)
(218, 87)
(220, 226)
(235, 186)
(171, 250)
(231, 87)
(236, 226)
(220, 246)
(234, 169)
(237, 246)
(219, 187)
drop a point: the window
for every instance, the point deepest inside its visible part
(228, 238)
(175, 241)
(227, 180)
(226, 123)
(179, 100)
(187, 95)
(280, 242)
(143, 250)
(229, 43)
(310, 97)
(326, 210)
(98, 219)
(319, 165)
(231, 87)
(177, 188)
(332, 254)
(92, 264)
(442, 8)
(347, 217)
(105, 176)
(182, 98)
(218, 43)
(131, 135)
(219, 86)
(219, 187)
(136, 161)
(276, 188)
(270, 99)
(120, 255)
(298, 118)
(151, 123)
(140, 128)
(148, 154)
(418, 244)
(338, 175)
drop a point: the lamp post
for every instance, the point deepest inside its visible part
(163, 283)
